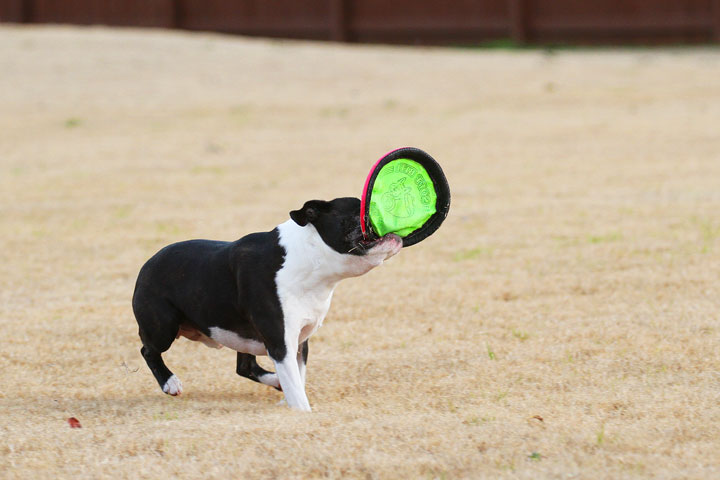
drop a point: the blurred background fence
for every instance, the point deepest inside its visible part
(453, 22)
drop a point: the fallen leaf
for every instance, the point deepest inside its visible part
(74, 422)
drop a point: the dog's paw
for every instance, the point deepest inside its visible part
(270, 379)
(173, 386)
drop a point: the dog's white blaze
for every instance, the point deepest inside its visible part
(305, 284)
(236, 342)
(172, 386)
(310, 272)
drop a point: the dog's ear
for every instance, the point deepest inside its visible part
(308, 213)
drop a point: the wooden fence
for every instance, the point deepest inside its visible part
(400, 21)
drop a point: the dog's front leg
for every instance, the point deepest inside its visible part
(281, 339)
(302, 356)
(291, 380)
(291, 383)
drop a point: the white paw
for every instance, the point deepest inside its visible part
(270, 379)
(302, 408)
(173, 386)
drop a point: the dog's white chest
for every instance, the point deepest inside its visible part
(309, 314)
(304, 310)
(306, 281)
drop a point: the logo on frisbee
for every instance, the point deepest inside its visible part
(399, 201)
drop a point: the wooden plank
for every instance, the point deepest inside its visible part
(178, 14)
(620, 25)
(141, 13)
(418, 24)
(12, 11)
(716, 20)
(339, 20)
(518, 20)
(28, 11)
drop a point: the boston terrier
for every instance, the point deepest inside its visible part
(264, 294)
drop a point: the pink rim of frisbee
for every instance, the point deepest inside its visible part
(440, 185)
(365, 191)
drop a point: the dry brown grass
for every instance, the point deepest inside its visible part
(563, 322)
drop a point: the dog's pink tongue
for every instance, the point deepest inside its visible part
(391, 236)
(394, 242)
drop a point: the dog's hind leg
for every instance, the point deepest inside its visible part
(158, 326)
(167, 380)
(248, 367)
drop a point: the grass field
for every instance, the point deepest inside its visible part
(563, 323)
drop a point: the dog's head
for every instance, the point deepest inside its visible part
(338, 224)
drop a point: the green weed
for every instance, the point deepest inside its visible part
(167, 228)
(600, 436)
(334, 112)
(520, 335)
(165, 416)
(390, 104)
(73, 122)
(490, 352)
(709, 231)
(611, 237)
(123, 211)
(472, 253)
(201, 169)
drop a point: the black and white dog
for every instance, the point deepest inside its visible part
(264, 294)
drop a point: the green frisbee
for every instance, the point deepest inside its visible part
(406, 193)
